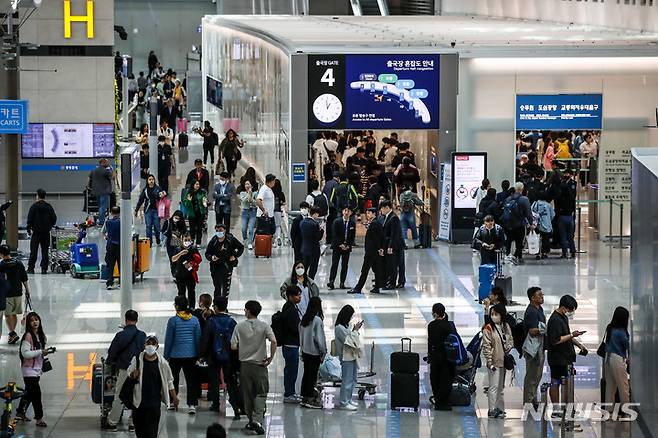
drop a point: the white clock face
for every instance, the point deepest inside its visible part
(327, 108)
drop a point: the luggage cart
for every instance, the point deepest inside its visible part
(61, 240)
(103, 388)
(361, 386)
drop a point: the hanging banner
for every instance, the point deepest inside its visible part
(445, 208)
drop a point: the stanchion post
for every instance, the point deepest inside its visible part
(610, 223)
(621, 225)
(564, 397)
(544, 403)
(580, 210)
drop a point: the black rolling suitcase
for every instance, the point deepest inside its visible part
(404, 378)
(425, 230)
(182, 140)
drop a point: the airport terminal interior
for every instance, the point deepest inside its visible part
(551, 103)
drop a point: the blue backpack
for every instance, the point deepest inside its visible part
(512, 215)
(455, 351)
(222, 328)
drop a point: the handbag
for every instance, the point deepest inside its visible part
(508, 360)
(126, 394)
(533, 243)
(46, 366)
(601, 350)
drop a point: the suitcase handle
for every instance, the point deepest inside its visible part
(402, 342)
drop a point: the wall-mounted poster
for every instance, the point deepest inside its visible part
(398, 91)
(469, 171)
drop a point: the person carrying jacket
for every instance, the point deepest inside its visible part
(182, 340)
(442, 372)
(155, 386)
(223, 192)
(291, 317)
(304, 282)
(216, 350)
(344, 195)
(311, 236)
(374, 254)
(223, 252)
(344, 233)
(127, 344)
(41, 219)
(489, 239)
(149, 198)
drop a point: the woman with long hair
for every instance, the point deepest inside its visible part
(615, 364)
(300, 278)
(248, 208)
(173, 229)
(279, 204)
(195, 203)
(230, 150)
(313, 346)
(349, 350)
(496, 343)
(250, 175)
(33, 351)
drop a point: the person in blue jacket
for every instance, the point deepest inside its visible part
(182, 341)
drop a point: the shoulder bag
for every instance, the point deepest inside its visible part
(601, 350)
(508, 360)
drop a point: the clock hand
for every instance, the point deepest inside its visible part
(328, 105)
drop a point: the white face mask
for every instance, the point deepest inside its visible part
(304, 211)
(570, 315)
(150, 349)
(299, 271)
(495, 319)
(222, 182)
(187, 244)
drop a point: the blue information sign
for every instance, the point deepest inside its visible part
(13, 117)
(559, 111)
(298, 172)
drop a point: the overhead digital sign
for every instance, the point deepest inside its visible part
(68, 140)
(558, 111)
(373, 91)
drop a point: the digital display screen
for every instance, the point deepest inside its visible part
(214, 92)
(68, 140)
(468, 171)
(398, 91)
(542, 112)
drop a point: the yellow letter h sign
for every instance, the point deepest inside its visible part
(89, 19)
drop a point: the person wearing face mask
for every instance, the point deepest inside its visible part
(288, 338)
(561, 340)
(374, 256)
(173, 230)
(304, 282)
(187, 262)
(497, 341)
(311, 234)
(223, 193)
(344, 232)
(149, 198)
(441, 371)
(534, 321)
(155, 386)
(223, 252)
(295, 231)
(248, 207)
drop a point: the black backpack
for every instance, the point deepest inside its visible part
(343, 198)
(512, 215)
(277, 327)
(519, 332)
(320, 201)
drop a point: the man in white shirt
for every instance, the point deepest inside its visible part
(265, 199)
(350, 151)
(166, 132)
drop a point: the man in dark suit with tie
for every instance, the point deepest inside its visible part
(311, 236)
(394, 251)
(170, 114)
(343, 233)
(295, 231)
(374, 256)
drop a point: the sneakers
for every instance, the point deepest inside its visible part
(191, 410)
(354, 291)
(110, 427)
(171, 407)
(13, 338)
(293, 399)
(256, 427)
(323, 249)
(131, 428)
(348, 407)
(250, 247)
(311, 404)
(330, 286)
(375, 291)
(496, 413)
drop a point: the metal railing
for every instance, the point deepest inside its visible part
(610, 238)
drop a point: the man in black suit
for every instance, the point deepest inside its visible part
(393, 245)
(170, 114)
(344, 233)
(374, 256)
(311, 236)
(199, 173)
(296, 232)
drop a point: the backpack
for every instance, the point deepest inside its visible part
(5, 287)
(455, 351)
(512, 215)
(277, 327)
(519, 332)
(222, 327)
(408, 205)
(343, 198)
(320, 201)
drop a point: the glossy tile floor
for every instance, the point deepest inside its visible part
(81, 317)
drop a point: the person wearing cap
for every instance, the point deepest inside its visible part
(344, 233)
(223, 252)
(199, 173)
(155, 386)
(374, 256)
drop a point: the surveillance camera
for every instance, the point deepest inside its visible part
(453, 44)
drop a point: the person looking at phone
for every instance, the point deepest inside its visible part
(489, 238)
(561, 341)
(349, 349)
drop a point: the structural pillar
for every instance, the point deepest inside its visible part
(153, 138)
(12, 155)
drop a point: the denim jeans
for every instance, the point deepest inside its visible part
(290, 370)
(567, 228)
(103, 206)
(408, 220)
(248, 225)
(152, 222)
(348, 381)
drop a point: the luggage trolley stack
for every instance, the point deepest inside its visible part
(103, 388)
(361, 386)
(61, 240)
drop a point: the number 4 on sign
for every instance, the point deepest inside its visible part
(328, 77)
